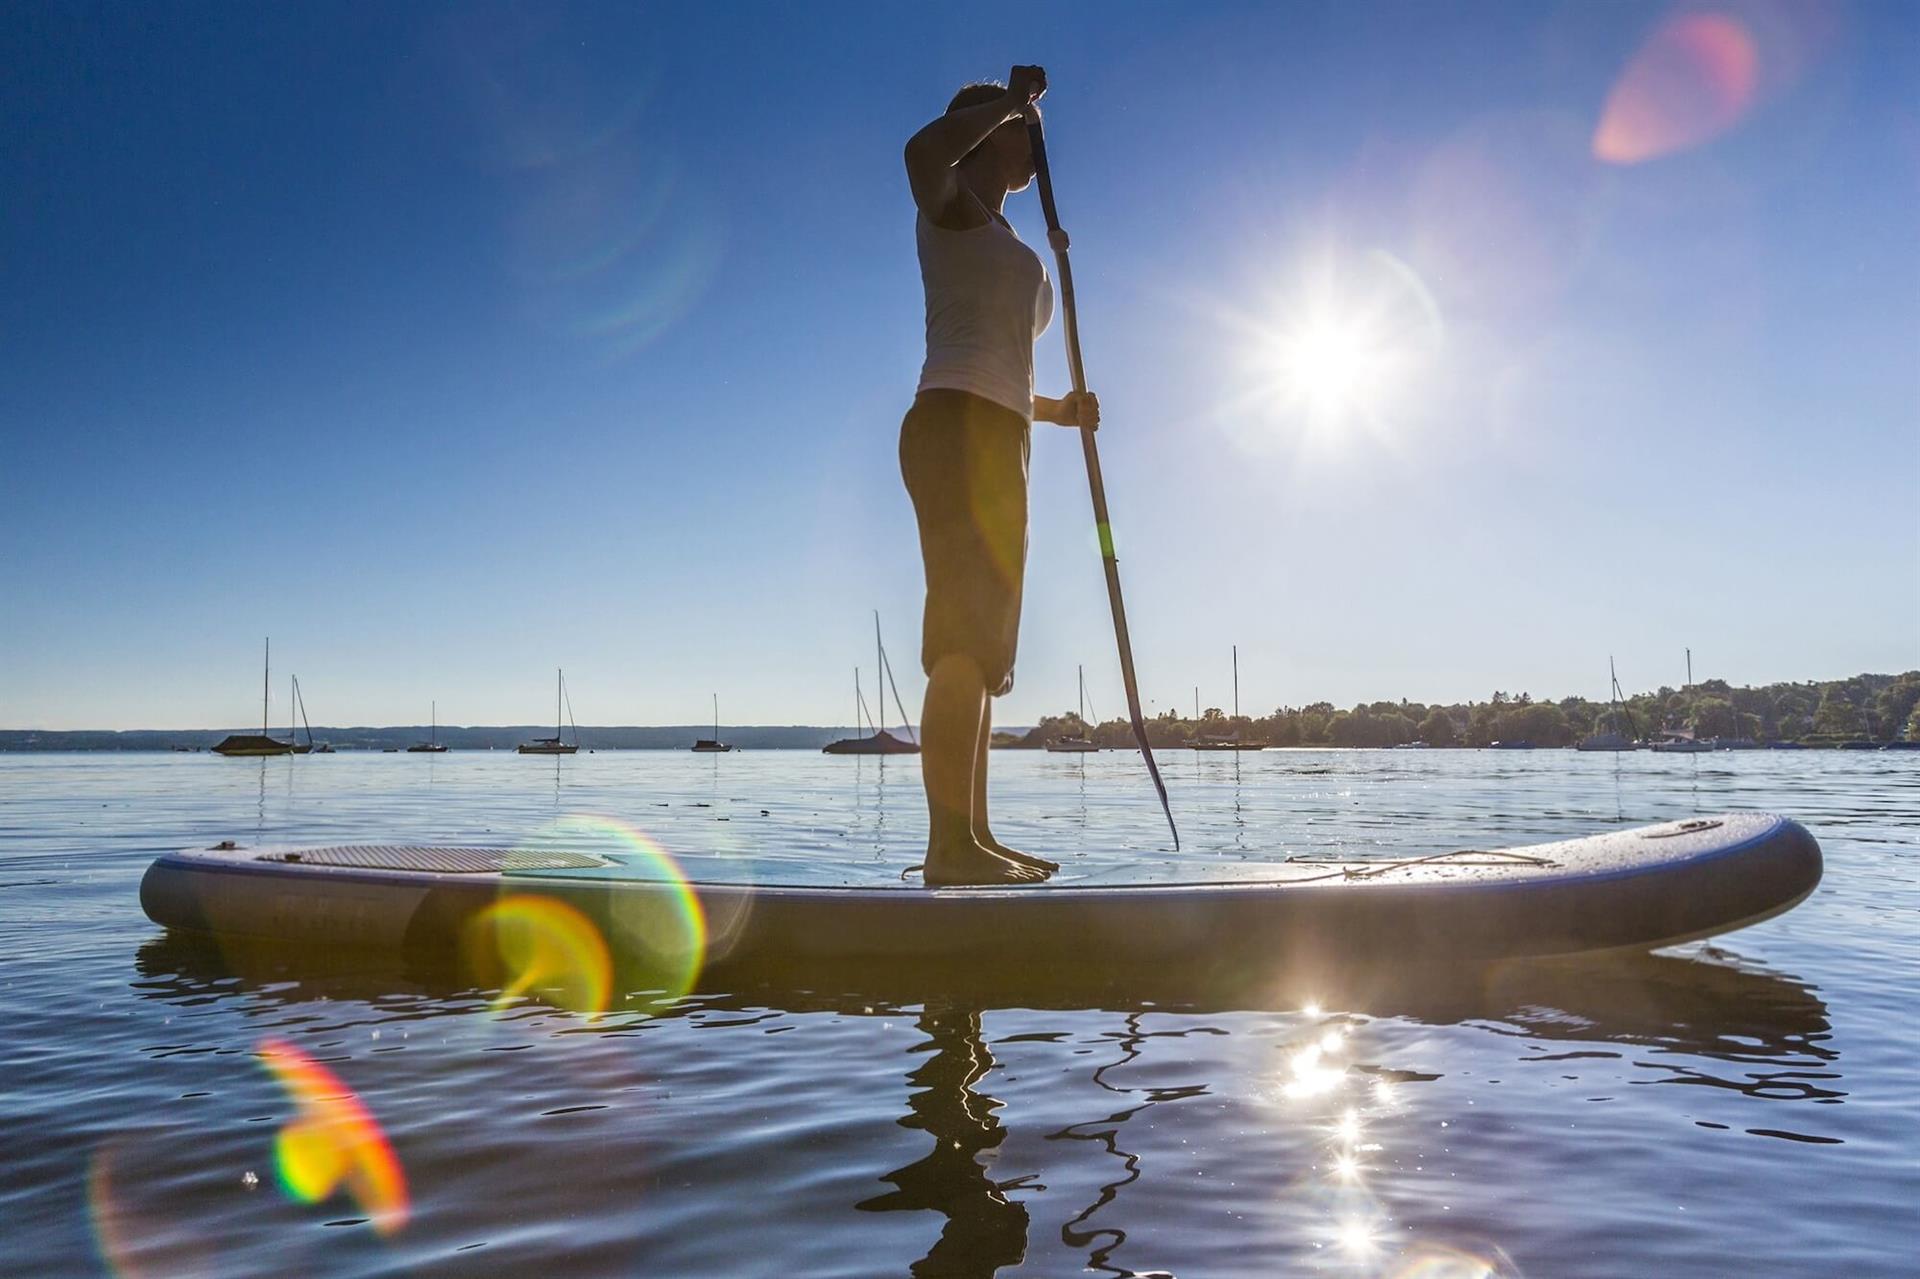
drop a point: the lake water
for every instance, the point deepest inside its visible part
(1745, 1107)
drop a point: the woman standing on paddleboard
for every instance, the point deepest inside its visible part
(963, 452)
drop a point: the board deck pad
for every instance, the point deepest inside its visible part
(435, 859)
(1611, 851)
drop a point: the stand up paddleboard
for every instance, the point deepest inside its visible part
(1641, 888)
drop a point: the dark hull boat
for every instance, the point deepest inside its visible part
(1225, 741)
(880, 743)
(432, 745)
(554, 745)
(237, 745)
(1076, 743)
(712, 745)
(244, 745)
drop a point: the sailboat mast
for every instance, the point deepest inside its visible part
(1083, 695)
(433, 722)
(1236, 682)
(266, 676)
(300, 700)
(293, 693)
(559, 689)
(879, 667)
(859, 704)
(716, 717)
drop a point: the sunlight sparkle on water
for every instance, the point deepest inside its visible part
(1357, 1237)
(1311, 1076)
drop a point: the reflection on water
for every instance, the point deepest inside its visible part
(1620, 1115)
(1335, 1086)
(984, 1230)
(1079, 1232)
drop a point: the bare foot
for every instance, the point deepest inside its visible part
(1015, 855)
(972, 863)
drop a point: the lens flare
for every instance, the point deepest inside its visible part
(333, 1140)
(1442, 1261)
(655, 924)
(1694, 79)
(137, 1228)
(547, 948)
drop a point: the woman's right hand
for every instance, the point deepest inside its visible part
(1026, 85)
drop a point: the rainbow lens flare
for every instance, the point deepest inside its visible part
(546, 947)
(1441, 1261)
(655, 925)
(333, 1140)
(1693, 79)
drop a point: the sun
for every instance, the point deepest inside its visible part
(1330, 365)
(1346, 347)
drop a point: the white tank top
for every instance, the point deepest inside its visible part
(988, 300)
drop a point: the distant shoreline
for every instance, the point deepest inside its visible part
(400, 736)
(1843, 714)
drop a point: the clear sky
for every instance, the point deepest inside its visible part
(1442, 349)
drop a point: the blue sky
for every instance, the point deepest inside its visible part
(450, 344)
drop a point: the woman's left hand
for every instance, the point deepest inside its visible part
(1076, 408)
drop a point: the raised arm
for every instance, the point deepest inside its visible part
(933, 152)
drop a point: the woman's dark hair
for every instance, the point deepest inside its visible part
(974, 94)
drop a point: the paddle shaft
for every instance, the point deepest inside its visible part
(1058, 239)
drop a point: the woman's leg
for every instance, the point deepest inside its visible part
(982, 829)
(950, 722)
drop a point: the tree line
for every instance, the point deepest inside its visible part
(1877, 708)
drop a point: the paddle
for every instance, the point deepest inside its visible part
(1058, 239)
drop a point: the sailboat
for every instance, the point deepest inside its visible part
(297, 702)
(880, 741)
(432, 745)
(1613, 739)
(1227, 741)
(554, 745)
(713, 745)
(236, 745)
(1076, 743)
(1681, 741)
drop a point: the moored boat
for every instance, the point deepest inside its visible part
(554, 745)
(246, 745)
(1612, 739)
(1225, 741)
(432, 745)
(880, 741)
(1075, 743)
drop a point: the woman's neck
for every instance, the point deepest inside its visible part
(987, 186)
